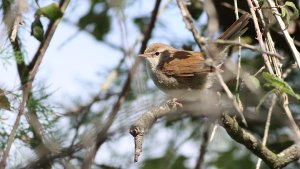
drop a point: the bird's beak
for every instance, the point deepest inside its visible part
(143, 55)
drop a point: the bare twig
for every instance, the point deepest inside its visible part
(204, 144)
(28, 86)
(229, 6)
(267, 127)
(21, 6)
(18, 21)
(269, 41)
(235, 43)
(101, 136)
(238, 105)
(259, 38)
(237, 85)
(285, 104)
(286, 34)
(190, 24)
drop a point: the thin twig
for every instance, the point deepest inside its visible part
(187, 18)
(238, 106)
(259, 38)
(21, 7)
(203, 147)
(237, 85)
(285, 104)
(229, 6)
(235, 43)
(286, 34)
(18, 21)
(267, 127)
(269, 41)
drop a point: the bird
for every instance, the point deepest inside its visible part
(184, 74)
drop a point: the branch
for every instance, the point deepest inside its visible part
(285, 105)
(144, 123)
(270, 45)
(28, 86)
(204, 145)
(285, 32)
(247, 46)
(276, 161)
(101, 135)
(188, 20)
(21, 6)
(259, 38)
(236, 103)
(267, 127)
(49, 158)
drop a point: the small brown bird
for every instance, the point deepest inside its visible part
(181, 73)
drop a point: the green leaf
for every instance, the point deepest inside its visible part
(4, 103)
(99, 23)
(37, 29)
(252, 82)
(51, 11)
(195, 9)
(141, 22)
(285, 14)
(102, 27)
(279, 84)
(294, 8)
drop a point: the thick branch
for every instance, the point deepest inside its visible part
(273, 160)
(144, 123)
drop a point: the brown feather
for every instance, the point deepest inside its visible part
(192, 65)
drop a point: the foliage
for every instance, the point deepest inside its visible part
(96, 22)
(285, 12)
(4, 103)
(52, 12)
(279, 84)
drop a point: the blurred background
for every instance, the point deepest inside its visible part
(84, 71)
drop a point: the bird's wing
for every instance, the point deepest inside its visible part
(185, 63)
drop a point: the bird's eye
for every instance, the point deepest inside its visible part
(156, 53)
